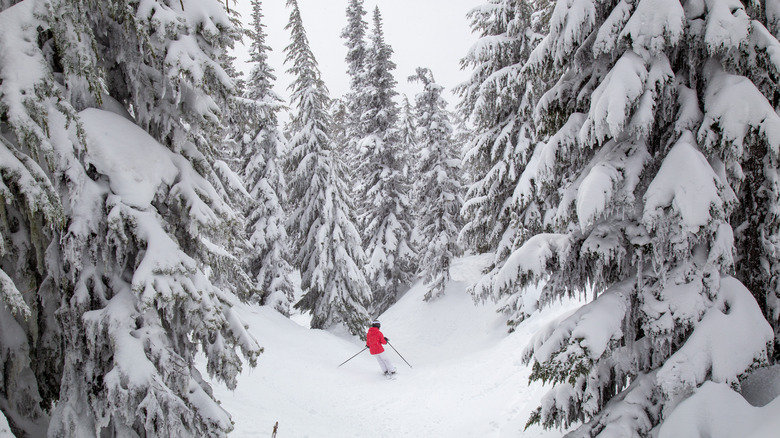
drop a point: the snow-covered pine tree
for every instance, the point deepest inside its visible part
(354, 35)
(234, 121)
(500, 210)
(382, 189)
(339, 115)
(438, 190)
(462, 134)
(492, 99)
(118, 246)
(407, 132)
(756, 222)
(262, 146)
(328, 250)
(229, 185)
(259, 85)
(650, 130)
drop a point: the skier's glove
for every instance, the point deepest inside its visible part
(387, 340)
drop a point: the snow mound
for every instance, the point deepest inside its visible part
(762, 386)
(716, 411)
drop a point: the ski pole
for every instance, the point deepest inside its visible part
(399, 354)
(342, 363)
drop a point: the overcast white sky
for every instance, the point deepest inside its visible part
(422, 33)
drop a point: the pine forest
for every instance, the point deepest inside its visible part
(159, 188)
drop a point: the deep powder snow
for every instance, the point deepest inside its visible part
(467, 380)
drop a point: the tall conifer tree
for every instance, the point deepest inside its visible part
(382, 187)
(354, 35)
(500, 210)
(119, 243)
(261, 155)
(644, 164)
(408, 138)
(438, 189)
(329, 253)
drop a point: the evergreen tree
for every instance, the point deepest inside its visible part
(756, 182)
(462, 134)
(354, 35)
(407, 138)
(500, 210)
(645, 162)
(261, 76)
(117, 261)
(261, 151)
(438, 189)
(339, 114)
(495, 100)
(382, 189)
(329, 254)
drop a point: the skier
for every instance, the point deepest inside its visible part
(374, 341)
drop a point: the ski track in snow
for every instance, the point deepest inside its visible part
(467, 381)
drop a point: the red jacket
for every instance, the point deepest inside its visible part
(374, 341)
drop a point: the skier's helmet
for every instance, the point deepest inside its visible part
(375, 323)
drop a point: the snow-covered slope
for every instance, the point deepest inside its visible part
(467, 380)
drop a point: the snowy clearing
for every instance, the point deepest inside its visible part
(467, 380)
